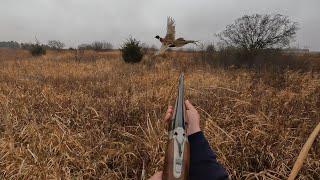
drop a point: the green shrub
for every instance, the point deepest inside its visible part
(132, 51)
(37, 50)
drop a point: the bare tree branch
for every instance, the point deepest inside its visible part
(259, 32)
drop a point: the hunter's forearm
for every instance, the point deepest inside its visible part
(203, 163)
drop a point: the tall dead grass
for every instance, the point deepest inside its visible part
(62, 119)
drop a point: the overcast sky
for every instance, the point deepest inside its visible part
(83, 21)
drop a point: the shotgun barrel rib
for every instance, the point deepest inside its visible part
(177, 156)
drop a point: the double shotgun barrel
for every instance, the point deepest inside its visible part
(177, 158)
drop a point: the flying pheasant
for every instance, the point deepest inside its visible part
(169, 40)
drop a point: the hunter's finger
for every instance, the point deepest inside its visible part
(156, 176)
(189, 106)
(169, 110)
(168, 115)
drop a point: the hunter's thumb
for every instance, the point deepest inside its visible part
(189, 106)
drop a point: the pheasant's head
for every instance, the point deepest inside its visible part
(157, 37)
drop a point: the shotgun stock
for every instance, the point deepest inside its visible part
(177, 158)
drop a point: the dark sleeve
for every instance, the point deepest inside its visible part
(203, 163)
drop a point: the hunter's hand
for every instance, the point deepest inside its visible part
(192, 121)
(193, 118)
(156, 176)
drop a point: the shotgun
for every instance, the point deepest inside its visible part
(177, 158)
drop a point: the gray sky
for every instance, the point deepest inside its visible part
(83, 21)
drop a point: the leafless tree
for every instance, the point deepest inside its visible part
(107, 45)
(85, 46)
(259, 32)
(97, 45)
(210, 48)
(101, 45)
(55, 44)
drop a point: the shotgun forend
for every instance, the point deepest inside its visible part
(177, 157)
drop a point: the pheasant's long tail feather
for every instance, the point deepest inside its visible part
(193, 42)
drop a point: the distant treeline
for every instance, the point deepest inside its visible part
(10, 44)
(14, 44)
(57, 45)
(97, 45)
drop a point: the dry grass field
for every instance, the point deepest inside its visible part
(100, 118)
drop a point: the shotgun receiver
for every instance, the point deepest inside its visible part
(177, 158)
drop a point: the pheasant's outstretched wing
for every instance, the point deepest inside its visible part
(180, 39)
(162, 49)
(171, 30)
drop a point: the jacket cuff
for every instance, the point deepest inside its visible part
(196, 137)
